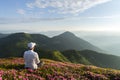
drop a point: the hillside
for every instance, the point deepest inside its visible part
(101, 60)
(12, 69)
(15, 44)
(75, 57)
(93, 58)
(68, 41)
(3, 35)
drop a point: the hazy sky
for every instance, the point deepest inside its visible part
(54, 15)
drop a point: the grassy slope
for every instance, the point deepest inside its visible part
(101, 60)
(12, 69)
(75, 57)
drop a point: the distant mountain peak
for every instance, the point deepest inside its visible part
(67, 33)
(19, 34)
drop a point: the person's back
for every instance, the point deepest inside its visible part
(31, 58)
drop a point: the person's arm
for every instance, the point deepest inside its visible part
(24, 56)
(37, 59)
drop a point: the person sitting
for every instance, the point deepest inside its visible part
(31, 57)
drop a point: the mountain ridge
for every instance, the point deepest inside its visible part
(64, 41)
(71, 41)
(65, 47)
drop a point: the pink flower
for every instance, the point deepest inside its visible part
(25, 79)
(28, 75)
(30, 70)
(19, 77)
(0, 78)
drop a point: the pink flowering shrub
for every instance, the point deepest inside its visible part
(13, 69)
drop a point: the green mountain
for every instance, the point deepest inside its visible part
(53, 55)
(101, 60)
(65, 47)
(68, 41)
(15, 44)
(75, 57)
(90, 57)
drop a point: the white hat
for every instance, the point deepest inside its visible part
(31, 45)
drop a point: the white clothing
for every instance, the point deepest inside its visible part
(31, 59)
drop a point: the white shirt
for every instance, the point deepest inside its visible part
(31, 59)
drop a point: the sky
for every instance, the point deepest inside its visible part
(59, 15)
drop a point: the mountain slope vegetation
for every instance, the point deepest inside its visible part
(65, 47)
(3, 35)
(13, 69)
(101, 60)
(75, 57)
(15, 44)
(68, 41)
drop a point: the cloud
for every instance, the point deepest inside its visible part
(26, 20)
(21, 11)
(65, 6)
(104, 17)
